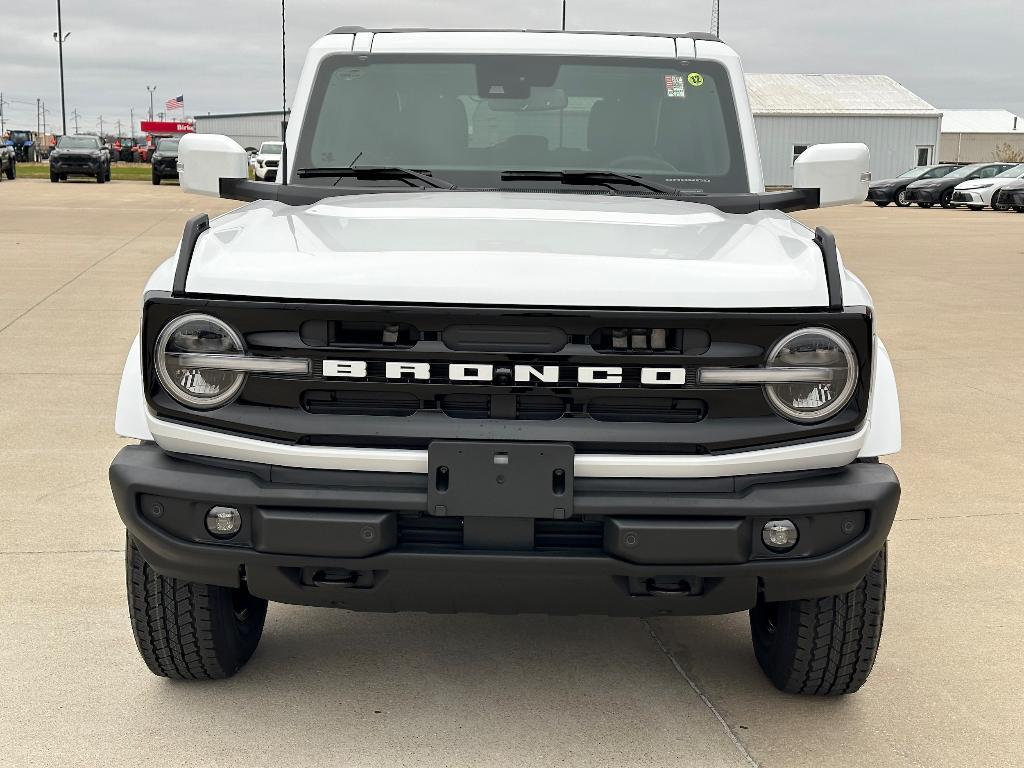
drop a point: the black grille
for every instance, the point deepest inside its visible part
(613, 416)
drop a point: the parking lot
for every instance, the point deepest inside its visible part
(330, 688)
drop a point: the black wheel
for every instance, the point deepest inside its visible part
(101, 176)
(156, 178)
(108, 173)
(188, 631)
(12, 170)
(825, 646)
(881, 203)
(997, 206)
(946, 201)
(1019, 208)
(901, 198)
(926, 205)
(54, 177)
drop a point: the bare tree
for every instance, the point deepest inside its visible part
(1007, 153)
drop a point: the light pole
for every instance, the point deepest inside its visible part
(152, 90)
(59, 37)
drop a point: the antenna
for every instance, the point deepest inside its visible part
(565, 11)
(715, 18)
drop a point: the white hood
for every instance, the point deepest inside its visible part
(510, 248)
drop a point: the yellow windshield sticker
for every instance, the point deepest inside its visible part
(696, 79)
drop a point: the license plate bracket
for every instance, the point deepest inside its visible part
(484, 479)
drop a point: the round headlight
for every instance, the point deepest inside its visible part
(202, 388)
(813, 348)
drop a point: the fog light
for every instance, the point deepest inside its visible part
(223, 522)
(780, 535)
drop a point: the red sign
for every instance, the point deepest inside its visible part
(155, 126)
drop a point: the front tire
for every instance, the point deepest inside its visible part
(824, 646)
(12, 170)
(54, 177)
(188, 631)
(156, 179)
(946, 201)
(901, 199)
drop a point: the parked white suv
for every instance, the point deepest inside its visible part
(979, 193)
(267, 160)
(517, 330)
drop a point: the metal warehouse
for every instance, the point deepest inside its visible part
(981, 136)
(794, 112)
(250, 129)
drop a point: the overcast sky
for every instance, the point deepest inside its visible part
(225, 56)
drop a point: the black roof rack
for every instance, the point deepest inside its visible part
(350, 30)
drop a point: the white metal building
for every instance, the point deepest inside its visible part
(250, 129)
(977, 135)
(794, 112)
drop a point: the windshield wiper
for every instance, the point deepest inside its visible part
(375, 172)
(601, 178)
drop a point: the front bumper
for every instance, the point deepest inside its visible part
(1013, 198)
(922, 195)
(76, 167)
(166, 169)
(968, 197)
(881, 194)
(363, 541)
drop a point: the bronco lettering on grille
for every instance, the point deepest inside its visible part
(486, 373)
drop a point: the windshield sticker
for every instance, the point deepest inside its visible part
(696, 79)
(675, 86)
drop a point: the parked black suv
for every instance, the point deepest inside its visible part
(885, 191)
(165, 160)
(927, 192)
(79, 156)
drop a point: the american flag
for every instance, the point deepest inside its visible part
(178, 102)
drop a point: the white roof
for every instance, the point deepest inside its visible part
(980, 121)
(833, 95)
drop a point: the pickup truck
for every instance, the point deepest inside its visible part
(516, 329)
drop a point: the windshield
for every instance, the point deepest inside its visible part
(1013, 173)
(167, 145)
(915, 173)
(472, 117)
(271, 149)
(963, 173)
(78, 142)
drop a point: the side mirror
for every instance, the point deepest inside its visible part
(841, 173)
(204, 159)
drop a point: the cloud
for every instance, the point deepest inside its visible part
(226, 56)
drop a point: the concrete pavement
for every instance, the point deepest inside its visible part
(330, 688)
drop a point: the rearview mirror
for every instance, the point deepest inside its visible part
(204, 159)
(841, 173)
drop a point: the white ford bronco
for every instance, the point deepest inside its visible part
(516, 329)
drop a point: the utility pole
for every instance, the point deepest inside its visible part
(75, 116)
(60, 37)
(152, 90)
(131, 129)
(716, 19)
(2, 102)
(43, 110)
(119, 126)
(101, 127)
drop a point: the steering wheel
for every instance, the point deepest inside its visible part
(643, 161)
